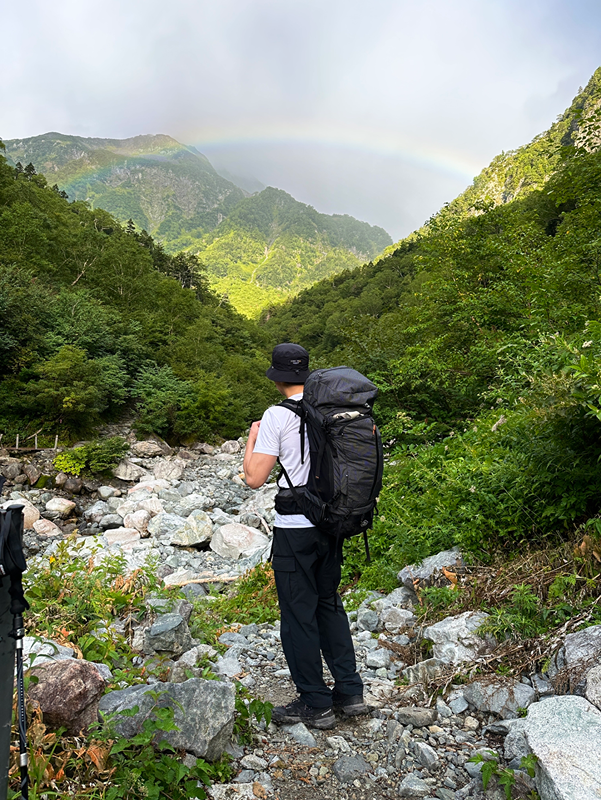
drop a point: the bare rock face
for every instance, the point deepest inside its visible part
(68, 693)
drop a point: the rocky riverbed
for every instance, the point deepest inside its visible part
(190, 515)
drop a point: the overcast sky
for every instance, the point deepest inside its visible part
(382, 109)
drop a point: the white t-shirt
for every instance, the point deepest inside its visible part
(279, 436)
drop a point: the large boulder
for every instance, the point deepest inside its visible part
(30, 512)
(564, 733)
(431, 568)
(235, 541)
(126, 538)
(501, 696)
(32, 472)
(193, 502)
(147, 449)
(455, 638)
(593, 686)
(126, 470)
(203, 712)
(197, 531)
(170, 470)
(67, 692)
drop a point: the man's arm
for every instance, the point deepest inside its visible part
(257, 466)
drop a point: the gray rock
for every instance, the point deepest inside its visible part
(229, 638)
(338, 743)
(418, 717)
(166, 525)
(455, 638)
(301, 734)
(73, 485)
(203, 712)
(110, 521)
(457, 702)
(424, 671)
(444, 711)
(543, 688)
(395, 619)
(401, 598)
(193, 591)
(256, 763)
(378, 658)
(430, 568)
(500, 696)
(367, 619)
(104, 492)
(192, 502)
(412, 786)
(197, 530)
(96, 512)
(582, 651)
(37, 650)
(564, 733)
(425, 754)
(169, 634)
(245, 776)
(347, 768)
(515, 745)
(593, 686)
(248, 630)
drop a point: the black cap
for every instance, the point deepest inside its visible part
(289, 364)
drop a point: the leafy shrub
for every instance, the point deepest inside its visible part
(97, 457)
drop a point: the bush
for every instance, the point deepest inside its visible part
(97, 457)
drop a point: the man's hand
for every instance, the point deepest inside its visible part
(257, 466)
(254, 432)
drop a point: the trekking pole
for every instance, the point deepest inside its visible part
(12, 566)
(7, 668)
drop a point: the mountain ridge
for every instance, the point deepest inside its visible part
(271, 247)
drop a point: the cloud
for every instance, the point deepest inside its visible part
(381, 110)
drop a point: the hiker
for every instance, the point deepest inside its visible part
(306, 563)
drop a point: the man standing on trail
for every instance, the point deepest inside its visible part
(306, 563)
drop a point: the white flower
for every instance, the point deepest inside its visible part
(587, 344)
(472, 489)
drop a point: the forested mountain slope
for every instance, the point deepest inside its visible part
(483, 334)
(96, 318)
(259, 249)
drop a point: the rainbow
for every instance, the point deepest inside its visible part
(367, 140)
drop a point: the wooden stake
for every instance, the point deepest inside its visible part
(17, 445)
(35, 442)
(56, 442)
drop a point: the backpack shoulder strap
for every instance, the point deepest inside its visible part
(297, 407)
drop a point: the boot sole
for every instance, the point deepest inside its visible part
(355, 711)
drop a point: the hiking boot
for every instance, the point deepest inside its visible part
(297, 711)
(351, 705)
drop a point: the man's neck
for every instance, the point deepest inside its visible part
(288, 391)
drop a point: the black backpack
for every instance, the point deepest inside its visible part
(346, 454)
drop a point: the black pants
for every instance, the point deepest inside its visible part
(307, 574)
